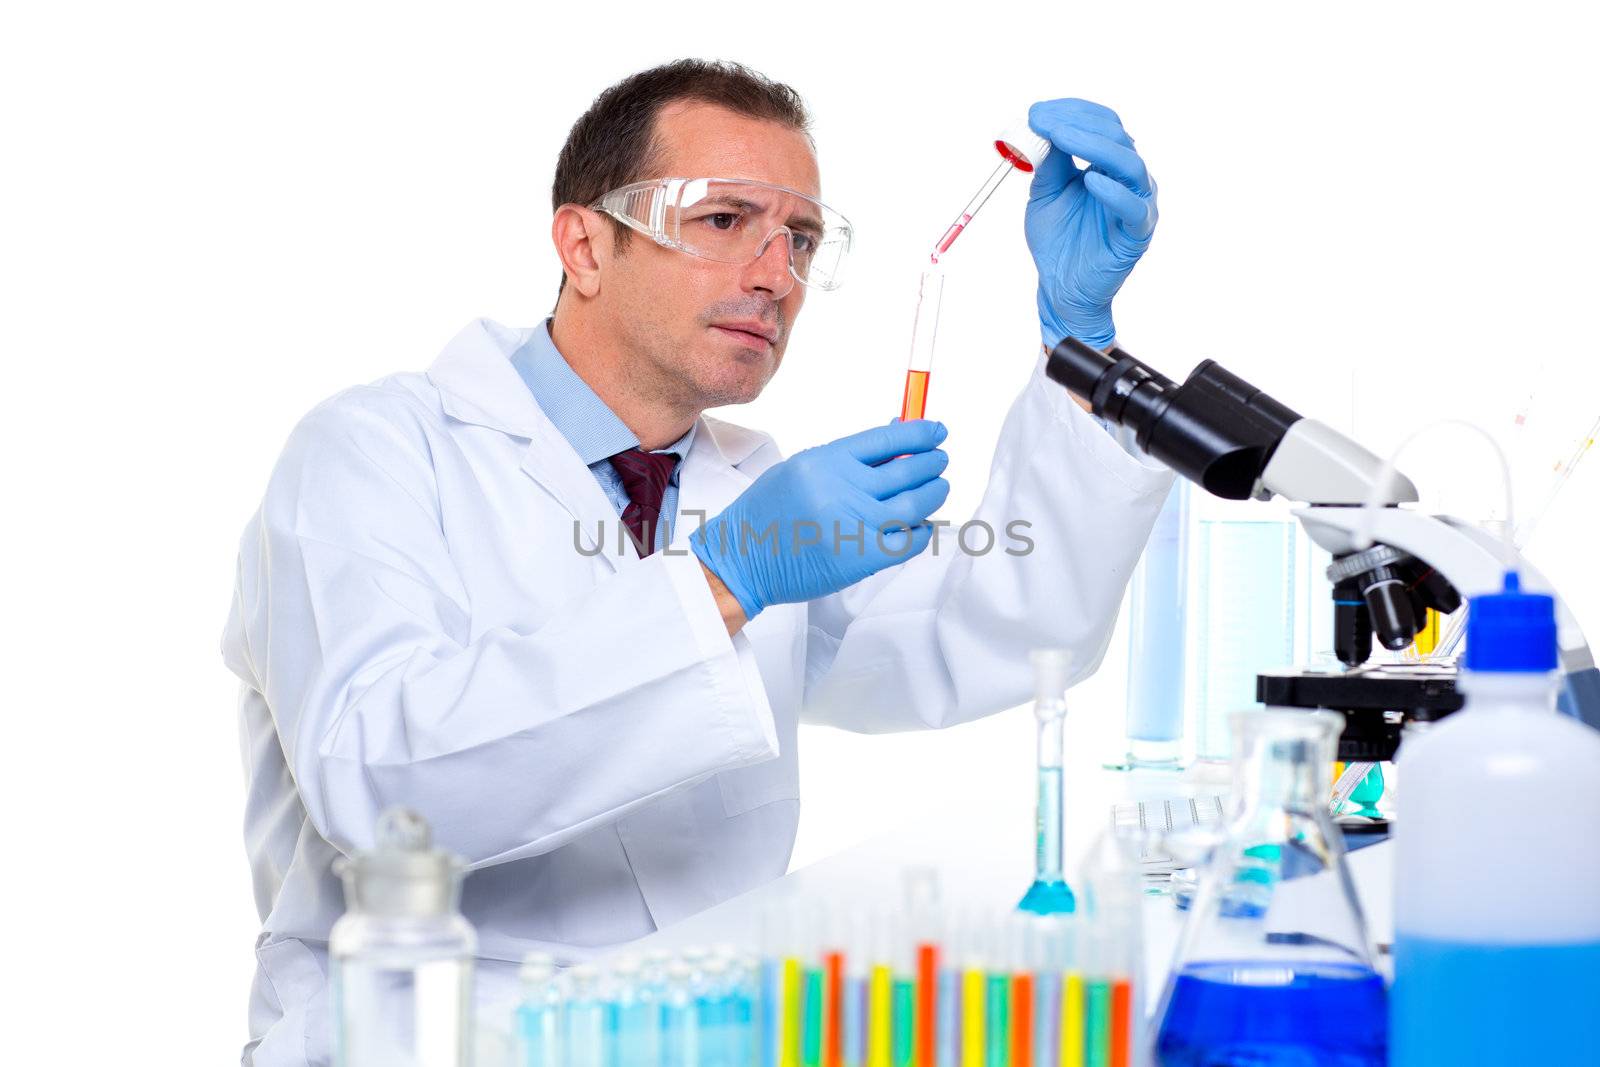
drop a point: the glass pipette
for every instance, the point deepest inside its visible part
(985, 191)
(1018, 151)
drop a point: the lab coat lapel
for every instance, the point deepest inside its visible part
(477, 384)
(711, 475)
(557, 469)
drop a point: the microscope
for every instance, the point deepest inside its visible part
(1236, 442)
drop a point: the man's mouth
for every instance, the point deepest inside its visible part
(755, 334)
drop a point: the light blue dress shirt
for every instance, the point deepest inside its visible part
(590, 427)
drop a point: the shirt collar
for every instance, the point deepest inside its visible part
(590, 427)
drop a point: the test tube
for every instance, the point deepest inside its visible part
(833, 961)
(1096, 999)
(1045, 952)
(586, 1012)
(1073, 1027)
(1020, 149)
(713, 1013)
(1022, 980)
(855, 995)
(680, 1037)
(904, 995)
(774, 947)
(539, 1014)
(997, 989)
(973, 1043)
(746, 995)
(924, 335)
(922, 902)
(636, 1020)
(948, 1024)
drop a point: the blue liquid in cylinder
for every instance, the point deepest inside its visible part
(1260, 1014)
(1458, 1002)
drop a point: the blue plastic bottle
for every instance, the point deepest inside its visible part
(1497, 861)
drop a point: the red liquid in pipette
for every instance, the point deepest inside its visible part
(916, 398)
(949, 237)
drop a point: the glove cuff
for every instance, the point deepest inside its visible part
(1094, 328)
(709, 544)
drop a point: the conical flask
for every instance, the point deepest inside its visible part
(1274, 967)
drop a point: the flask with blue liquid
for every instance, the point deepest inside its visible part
(1274, 968)
(1497, 859)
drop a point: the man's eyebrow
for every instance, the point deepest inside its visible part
(809, 223)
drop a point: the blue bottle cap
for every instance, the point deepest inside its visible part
(1512, 631)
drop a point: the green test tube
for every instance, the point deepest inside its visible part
(1097, 1023)
(998, 1008)
(905, 1020)
(811, 1030)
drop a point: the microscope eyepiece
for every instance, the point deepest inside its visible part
(1216, 429)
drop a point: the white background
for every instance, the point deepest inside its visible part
(215, 215)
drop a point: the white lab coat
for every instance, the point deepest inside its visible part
(413, 625)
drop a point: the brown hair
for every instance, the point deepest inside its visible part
(614, 143)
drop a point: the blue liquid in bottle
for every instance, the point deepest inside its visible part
(1472, 1003)
(1263, 1015)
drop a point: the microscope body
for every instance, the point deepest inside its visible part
(1236, 442)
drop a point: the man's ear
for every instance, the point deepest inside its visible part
(585, 243)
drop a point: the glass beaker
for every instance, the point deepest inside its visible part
(401, 955)
(1274, 966)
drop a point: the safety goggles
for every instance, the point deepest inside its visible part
(729, 220)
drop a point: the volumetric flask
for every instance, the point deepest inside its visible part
(1274, 967)
(1049, 893)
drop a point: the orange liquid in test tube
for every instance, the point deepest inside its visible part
(1022, 1020)
(916, 398)
(914, 405)
(927, 972)
(1122, 1023)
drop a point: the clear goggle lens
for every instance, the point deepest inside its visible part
(733, 221)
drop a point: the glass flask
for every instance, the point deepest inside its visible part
(1274, 968)
(401, 955)
(1049, 894)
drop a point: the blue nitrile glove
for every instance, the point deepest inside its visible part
(1085, 228)
(810, 526)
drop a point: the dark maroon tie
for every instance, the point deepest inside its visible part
(645, 476)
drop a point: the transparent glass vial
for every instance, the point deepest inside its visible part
(401, 955)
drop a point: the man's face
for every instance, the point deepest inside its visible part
(677, 314)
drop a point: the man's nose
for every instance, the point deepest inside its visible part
(769, 271)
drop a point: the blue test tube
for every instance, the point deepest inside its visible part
(680, 1031)
(636, 1036)
(539, 1016)
(745, 996)
(714, 1009)
(586, 1018)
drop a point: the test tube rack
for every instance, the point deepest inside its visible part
(852, 989)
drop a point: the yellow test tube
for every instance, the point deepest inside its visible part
(880, 1016)
(973, 1047)
(1072, 1028)
(789, 1045)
